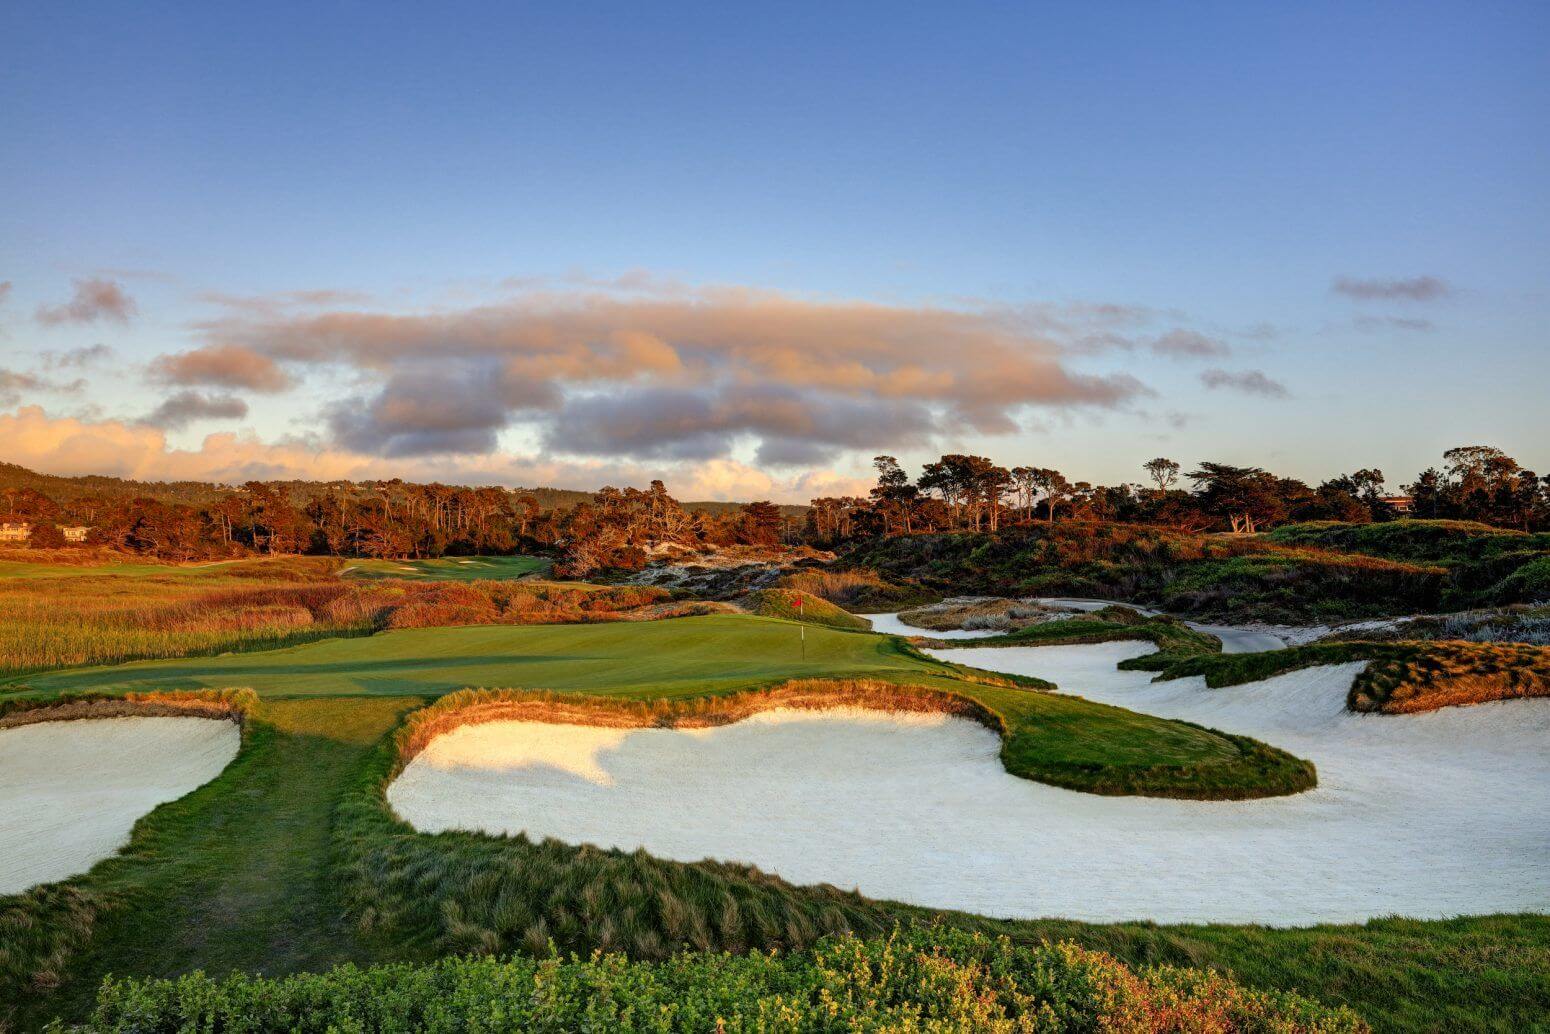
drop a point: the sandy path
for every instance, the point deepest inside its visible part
(70, 792)
(1425, 815)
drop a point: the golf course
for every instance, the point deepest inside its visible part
(303, 852)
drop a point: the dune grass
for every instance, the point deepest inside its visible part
(1400, 677)
(859, 590)
(449, 569)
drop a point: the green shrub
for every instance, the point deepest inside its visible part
(925, 980)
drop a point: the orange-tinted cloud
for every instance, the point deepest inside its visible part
(221, 366)
(674, 373)
(93, 300)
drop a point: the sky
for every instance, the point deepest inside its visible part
(746, 250)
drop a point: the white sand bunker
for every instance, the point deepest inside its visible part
(1420, 815)
(70, 792)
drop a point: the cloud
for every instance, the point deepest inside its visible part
(15, 385)
(180, 410)
(429, 411)
(792, 426)
(660, 372)
(73, 446)
(5, 290)
(86, 355)
(1250, 382)
(1392, 323)
(221, 366)
(1189, 344)
(93, 300)
(1412, 289)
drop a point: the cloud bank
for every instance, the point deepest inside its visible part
(672, 373)
(72, 446)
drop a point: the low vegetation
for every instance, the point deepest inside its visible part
(1174, 639)
(1486, 565)
(1400, 677)
(1227, 577)
(796, 605)
(917, 980)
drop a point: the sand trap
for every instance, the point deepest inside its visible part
(890, 624)
(70, 792)
(1421, 815)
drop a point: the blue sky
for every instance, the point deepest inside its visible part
(1201, 168)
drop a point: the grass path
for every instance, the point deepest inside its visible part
(236, 875)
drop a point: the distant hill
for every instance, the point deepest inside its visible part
(203, 493)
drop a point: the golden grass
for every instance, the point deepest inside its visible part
(1429, 676)
(87, 618)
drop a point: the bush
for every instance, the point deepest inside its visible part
(936, 980)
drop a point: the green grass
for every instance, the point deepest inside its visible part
(449, 569)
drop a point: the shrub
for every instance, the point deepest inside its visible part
(937, 980)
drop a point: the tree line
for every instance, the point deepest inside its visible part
(973, 493)
(622, 529)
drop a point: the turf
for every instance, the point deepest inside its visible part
(450, 569)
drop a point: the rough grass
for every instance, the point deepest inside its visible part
(859, 590)
(1400, 678)
(796, 605)
(944, 981)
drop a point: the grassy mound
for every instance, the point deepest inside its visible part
(858, 590)
(796, 605)
(919, 980)
(1210, 575)
(1400, 678)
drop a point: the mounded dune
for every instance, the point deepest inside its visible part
(71, 791)
(1420, 815)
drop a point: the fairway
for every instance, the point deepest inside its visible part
(449, 569)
